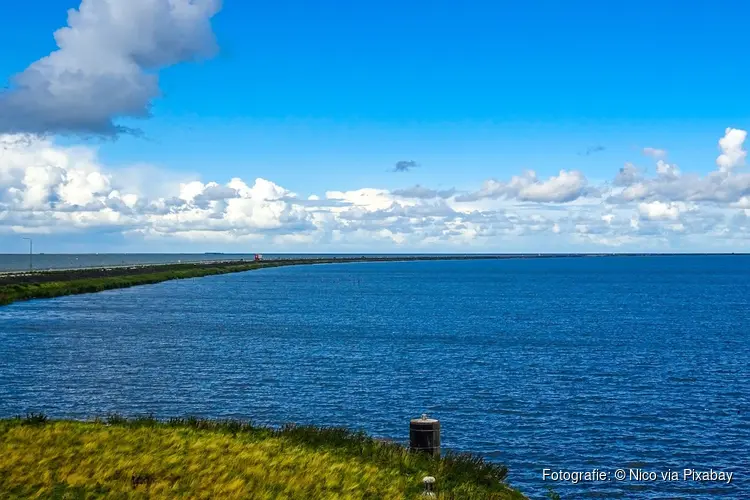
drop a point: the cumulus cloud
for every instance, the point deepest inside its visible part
(725, 186)
(405, 165)
(564, 187)
(49, 189)
(671, 185)
(106, 65)
(37, 176)
(368, 198)
(66, 188)
(667, 171)
(732, 154)
(657, 210)
(567, 186)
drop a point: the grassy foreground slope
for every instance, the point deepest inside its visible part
(206, 459)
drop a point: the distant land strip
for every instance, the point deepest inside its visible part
(19, 286)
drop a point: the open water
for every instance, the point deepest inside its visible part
(567, 364)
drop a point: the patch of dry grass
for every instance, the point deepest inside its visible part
(204, 459)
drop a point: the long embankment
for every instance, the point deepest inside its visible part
(19, 286)
(191, 458)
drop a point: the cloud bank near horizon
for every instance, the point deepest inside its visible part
(46, 189)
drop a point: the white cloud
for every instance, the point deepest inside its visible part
(657, 210)
(634, 192)
(189, 191)
(723, 186)
(67, 189)
(106, 65)
(667, 171)
(366, 199)
(49, 189)
(565, 187)
(732, 154)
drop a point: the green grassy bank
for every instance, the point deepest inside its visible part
(47, 284)
(191, 458)
(38, 285)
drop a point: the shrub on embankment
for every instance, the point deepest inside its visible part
(193, 458)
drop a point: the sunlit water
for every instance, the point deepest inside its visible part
(632, 362)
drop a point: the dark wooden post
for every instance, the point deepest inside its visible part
(424, 435)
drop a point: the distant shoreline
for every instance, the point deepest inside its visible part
(18, 286)
(218, 257)
(27, 285)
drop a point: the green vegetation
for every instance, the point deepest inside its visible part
(193, 458)
(19, 286)
(47, 284)
(552, 494)
(15, 288)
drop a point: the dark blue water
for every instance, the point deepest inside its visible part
(573, 364)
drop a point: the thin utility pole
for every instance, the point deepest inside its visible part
(31, 253)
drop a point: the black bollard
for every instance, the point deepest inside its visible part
(424, 435)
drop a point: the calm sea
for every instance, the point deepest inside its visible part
(573, 364)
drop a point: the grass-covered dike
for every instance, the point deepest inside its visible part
(47, 284)
(194, 458)
(18, 286)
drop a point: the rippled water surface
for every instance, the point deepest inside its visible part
(617, 362)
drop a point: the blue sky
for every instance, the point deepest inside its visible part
(324, 96)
